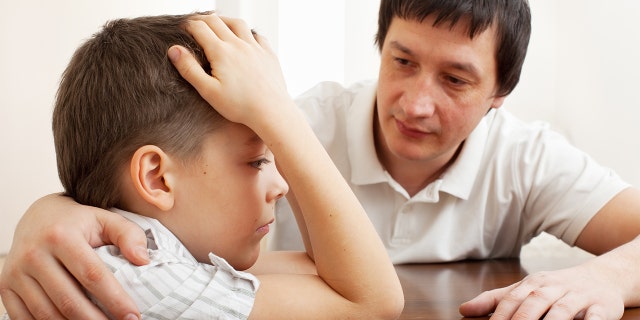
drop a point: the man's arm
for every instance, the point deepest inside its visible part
(53, 243)
(617, 223)
(597, 289)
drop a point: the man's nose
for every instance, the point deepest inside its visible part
(418, 99)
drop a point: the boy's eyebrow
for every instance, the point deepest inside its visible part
(253, 139)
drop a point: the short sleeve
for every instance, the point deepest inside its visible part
(173, 287)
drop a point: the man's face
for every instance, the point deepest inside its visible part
(435, 85)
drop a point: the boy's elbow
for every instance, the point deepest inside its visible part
(390, 306)
(395, 307)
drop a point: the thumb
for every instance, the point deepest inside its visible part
(483, 304)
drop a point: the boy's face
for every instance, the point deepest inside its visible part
(435, 85)
(226, 200)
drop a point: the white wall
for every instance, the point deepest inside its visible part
(580, 73)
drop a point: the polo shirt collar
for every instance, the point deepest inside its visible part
(363, 159)
(459, 178)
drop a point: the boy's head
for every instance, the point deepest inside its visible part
(131, 133)
(118, 93)
(510, 18)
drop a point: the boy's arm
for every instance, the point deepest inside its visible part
(52, 245)
(355, 277)
(283, 262)
(302, 227)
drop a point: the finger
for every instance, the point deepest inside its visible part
(239, 27)
(479, 306)
(483, 304)
(22, 296)
(263, 42)
(40, 305)
(54, 291)
(190, 70)
(14, 306)
(86, 266)
(124, 234)
(569, 306)
(536, 304)
(26, 298)
(511, 301)
(216, 25)
(598, 312)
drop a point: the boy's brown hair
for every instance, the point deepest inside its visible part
(120, 92)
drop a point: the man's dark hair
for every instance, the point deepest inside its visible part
(511, 18)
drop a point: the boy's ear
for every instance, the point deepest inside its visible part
(152, 177)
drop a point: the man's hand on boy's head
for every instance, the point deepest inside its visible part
(246, 79)
(59, 253)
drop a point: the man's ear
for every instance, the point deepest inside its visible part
(152, 177)
(497, 102)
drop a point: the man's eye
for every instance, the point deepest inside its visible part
(259, 163)
(402, 62)
(456, 81)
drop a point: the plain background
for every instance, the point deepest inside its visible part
(581, 73)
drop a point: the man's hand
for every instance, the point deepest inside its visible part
(54, 243)
(587, 291)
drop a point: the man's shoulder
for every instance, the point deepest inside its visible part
(506, 128)
(332, 91)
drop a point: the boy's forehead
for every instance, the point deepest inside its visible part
(253, 139)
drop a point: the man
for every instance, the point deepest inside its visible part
(442, 171)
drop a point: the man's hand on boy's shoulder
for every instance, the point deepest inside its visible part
(65, 233)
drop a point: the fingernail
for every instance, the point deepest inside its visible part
(142, 253)
(131, 316)
(174, 54)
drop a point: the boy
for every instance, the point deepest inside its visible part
(132, 135)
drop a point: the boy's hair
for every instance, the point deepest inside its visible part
(511, 18)
(120, 92)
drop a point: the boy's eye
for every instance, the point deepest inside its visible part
(259, 163)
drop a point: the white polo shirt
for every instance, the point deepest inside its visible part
(510, 182)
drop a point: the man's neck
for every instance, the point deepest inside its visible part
(414, 176)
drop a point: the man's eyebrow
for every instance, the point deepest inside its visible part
(465, 67)
(396, 45)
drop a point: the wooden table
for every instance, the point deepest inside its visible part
(435, 291)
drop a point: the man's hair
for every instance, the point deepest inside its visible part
(511, 18)
(120, 92)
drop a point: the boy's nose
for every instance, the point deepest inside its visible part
(280, 187)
